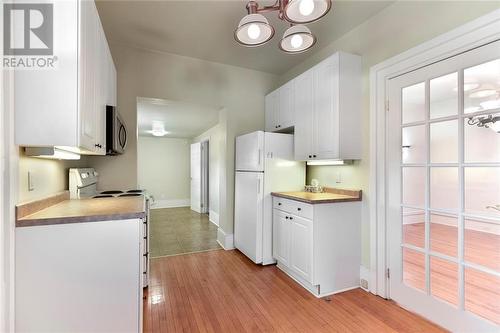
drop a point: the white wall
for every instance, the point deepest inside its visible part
(397, 28)
(152, 74)
(215, 137)
(163, 166)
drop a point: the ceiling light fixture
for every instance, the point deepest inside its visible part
(488, 121)
(254, 29)
(158, 129)
(296, 39)
(483, 93)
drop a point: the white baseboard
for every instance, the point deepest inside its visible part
(225, 240)
(171, 203)
(364, 274)
(213, 217)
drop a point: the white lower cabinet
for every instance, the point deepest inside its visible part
(318, 245)
(79, 277)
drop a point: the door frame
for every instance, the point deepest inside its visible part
(205, 176)
(480, 31)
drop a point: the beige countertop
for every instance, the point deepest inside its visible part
(329, 195)
(83, 210)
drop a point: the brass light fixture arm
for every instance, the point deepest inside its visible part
(279, 5)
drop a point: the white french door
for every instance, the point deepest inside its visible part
(443, 149)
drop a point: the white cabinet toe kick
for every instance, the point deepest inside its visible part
(318, 245)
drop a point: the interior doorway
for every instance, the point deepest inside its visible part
(200, 177)
(179, 158)
(443, 195)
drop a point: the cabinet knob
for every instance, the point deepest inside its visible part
(291, 218)
(286, 217)
(310, 156)
(279, 203)
(299, 208)
(314, 156)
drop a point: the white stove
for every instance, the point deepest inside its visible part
(83, 185)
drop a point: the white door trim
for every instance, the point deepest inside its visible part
(468, 36)
(8, 196)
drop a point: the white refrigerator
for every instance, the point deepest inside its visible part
(264, 164)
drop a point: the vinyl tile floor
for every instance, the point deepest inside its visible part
(181, 230)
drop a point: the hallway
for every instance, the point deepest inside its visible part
(181, 230)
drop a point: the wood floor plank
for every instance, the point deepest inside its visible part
(223, 291)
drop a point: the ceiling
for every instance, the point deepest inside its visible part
(181, 119)
(204, 29)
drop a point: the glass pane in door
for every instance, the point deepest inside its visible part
(413, 100)
(414, 147)
(444, 280)
(482, 191)
(414, 227)
(482, 242)
(444, 142)
(414, 269)
(482, 294)
(444, 96)
(444, 191)
(444, 234)
(414, 186)
(481, 144)
(482, 87)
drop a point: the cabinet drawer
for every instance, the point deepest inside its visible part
(294, 207)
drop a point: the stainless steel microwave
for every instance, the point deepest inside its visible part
(116, 132)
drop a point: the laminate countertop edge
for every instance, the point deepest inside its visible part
(77, 219)
(315, 201)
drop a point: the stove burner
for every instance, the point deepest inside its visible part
(130, 195)
(111, 192)
(102, 196)
(134, 191)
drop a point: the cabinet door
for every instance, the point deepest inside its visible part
(87, 75)
(301, 249)
(101, 91)
(304, 105)
(286, 114)
(272, 109)
(326, 113)
(281, 237)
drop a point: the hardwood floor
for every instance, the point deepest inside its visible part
(482, 291)
(223, 291)
(181, 230)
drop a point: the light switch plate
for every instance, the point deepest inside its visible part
(31, 183)
(338, 178)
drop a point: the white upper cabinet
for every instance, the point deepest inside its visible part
(66, 105)
(328, 124)
(324, 107)
(304, 104)
(272, 110)
(280, 108)
(286, 114)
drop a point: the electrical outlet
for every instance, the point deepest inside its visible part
(31, 182)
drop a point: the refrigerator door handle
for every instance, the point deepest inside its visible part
(258, 186)
(259, 152)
